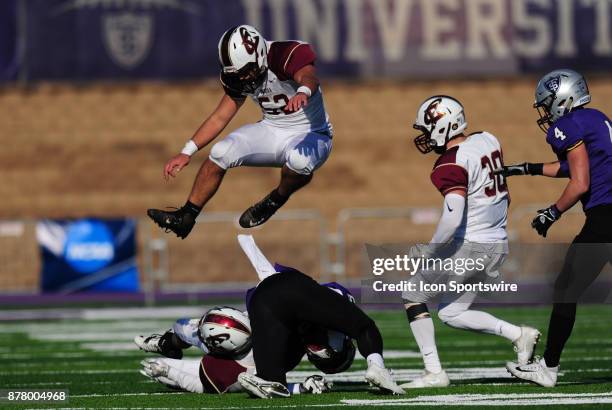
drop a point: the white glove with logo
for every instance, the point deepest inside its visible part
(314, 384)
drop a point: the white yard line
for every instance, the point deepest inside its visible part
(519, 399)
(476, 400)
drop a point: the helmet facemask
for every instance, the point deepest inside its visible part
(543, 108)
(248, 79)
(423, 141)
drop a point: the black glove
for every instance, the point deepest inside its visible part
(525, 168)
(545, 218)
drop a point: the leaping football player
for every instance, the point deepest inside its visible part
(582, 140)
(295, 133)
(472, 225)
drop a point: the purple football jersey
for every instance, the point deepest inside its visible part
(593, 129)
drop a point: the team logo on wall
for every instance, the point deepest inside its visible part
(127, 27)
(127, 37)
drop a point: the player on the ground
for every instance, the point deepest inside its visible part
(582, 140)
(290, 315)
(295, 133)
(473, 225)
(223, 334)
(286, 298)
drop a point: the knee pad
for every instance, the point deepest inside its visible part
(219, 154)
(416, 312)
(300, 163)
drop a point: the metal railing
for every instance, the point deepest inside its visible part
(335, 248)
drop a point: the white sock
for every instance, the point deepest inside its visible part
(508, 330)
(376, 359)
(483, 322)
(424, 334)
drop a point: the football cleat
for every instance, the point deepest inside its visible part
(149, 344)
(154, 368)
(536, 372)
(381, 377)
(157, 343)
(525, 345)
(259, 213)
(428, 379)
(179, 221)
(258, 387)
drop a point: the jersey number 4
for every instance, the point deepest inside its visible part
(492, 163)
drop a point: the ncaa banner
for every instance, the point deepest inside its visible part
(88, 255)
(177, 39)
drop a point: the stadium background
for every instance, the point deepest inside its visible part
(97, 95)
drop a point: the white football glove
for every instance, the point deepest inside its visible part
(154, 368)
(314, 384)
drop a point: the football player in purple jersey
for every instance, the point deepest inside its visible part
(582, 140)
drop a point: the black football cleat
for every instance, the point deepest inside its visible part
(259, 213)
(180, 222)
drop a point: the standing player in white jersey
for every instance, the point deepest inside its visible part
(473, 225)
(295, 133)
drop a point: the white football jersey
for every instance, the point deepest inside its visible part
(285, 58)
(469, 166)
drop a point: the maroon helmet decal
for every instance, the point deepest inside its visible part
(226, 321)
(250, 42)
(432, 115)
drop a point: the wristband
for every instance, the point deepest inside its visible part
(190, 148)
(555, 211)
(535, 169)
(304, 90)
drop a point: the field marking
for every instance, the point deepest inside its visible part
(480, 400)
(455, 373)
(511, 399)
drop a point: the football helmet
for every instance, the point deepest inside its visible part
(243, 55)
(334, 356)
(440, 118)
(328, 350)
(558, 93)
(225, 331)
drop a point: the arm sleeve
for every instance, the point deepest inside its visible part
(452, 215)
(564, 168)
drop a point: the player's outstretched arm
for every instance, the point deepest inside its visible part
(577, 186)
(208, 131)
(550, 169)
(307, 78)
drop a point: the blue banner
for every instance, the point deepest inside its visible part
(88, 255)
(177, 39)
